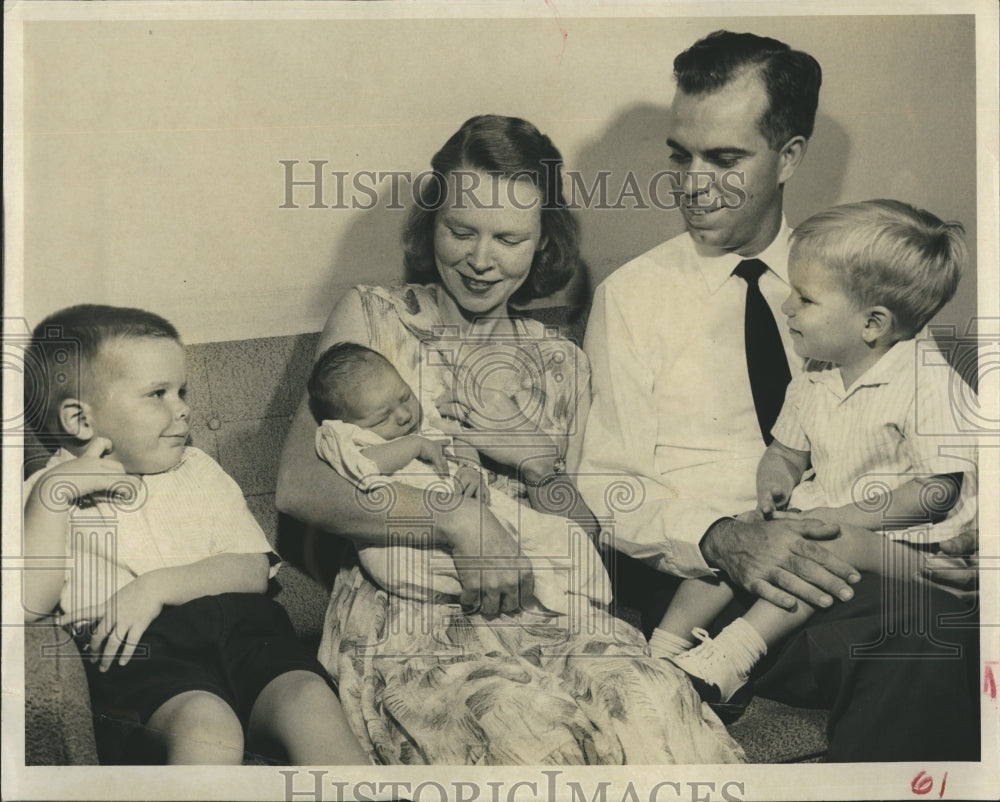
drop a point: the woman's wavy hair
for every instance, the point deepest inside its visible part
(511, 148)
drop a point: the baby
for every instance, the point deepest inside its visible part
(865, 279)
(372, 432)
(168, 567)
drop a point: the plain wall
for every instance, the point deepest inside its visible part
(152, 148)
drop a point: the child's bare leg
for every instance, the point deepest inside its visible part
(298, 711)
(726, 662)
(874, 552)
(197, 728)
(865, 551)
(696, 603)
(774, 623)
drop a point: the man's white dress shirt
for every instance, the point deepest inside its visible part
(672, 440)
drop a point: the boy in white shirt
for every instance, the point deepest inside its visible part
(865, 279)
(169, 567)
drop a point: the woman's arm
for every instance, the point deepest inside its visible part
(310, 491)
(566, 484)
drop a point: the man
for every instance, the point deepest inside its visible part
(683, 404)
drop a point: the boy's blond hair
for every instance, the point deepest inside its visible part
(890, 254)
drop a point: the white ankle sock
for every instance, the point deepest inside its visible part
(742, 643)
(667, 644)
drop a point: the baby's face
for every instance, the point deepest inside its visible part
(385, 404)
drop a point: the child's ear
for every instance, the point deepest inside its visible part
(878, 324)
(73, 419)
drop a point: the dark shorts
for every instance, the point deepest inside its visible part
(231, 645)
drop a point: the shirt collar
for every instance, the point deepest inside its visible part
(890, 367)
(717, 266)
(61, 455)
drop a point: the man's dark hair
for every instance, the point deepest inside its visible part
(64, 348)
(791, 79)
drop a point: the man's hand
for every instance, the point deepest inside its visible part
(123, 620)
(828, 515)
(965, 544)
(779, 561)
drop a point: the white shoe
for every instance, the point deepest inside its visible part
(710, 666)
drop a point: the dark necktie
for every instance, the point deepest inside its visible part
(766, 361)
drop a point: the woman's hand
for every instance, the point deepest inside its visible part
(494, 576)
(487, 408)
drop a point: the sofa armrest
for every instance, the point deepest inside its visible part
(58, 723)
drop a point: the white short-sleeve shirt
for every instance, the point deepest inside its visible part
(193, 511)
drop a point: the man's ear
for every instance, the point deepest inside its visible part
(73, 419)
(791, 155)
(879, 322)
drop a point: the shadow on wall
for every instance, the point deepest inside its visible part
(623, 203)
(610, 185)
(371, 251)
(819, 181)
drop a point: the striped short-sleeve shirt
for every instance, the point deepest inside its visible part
(899, 420)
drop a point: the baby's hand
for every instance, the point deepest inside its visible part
(771, 500)
(90, 473)
(470, 483)
(432, 452)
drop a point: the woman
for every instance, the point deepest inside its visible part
(429, 682)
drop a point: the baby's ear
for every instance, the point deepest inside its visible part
(879, 323)
(73, 419)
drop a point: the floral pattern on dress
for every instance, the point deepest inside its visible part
(426, 683)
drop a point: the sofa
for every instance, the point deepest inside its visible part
(243, 394)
